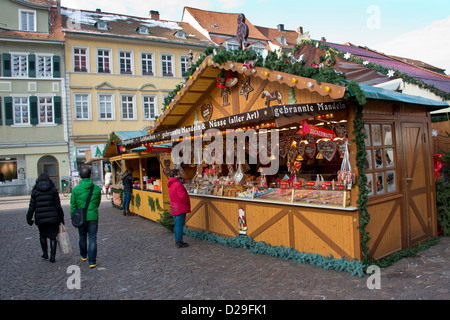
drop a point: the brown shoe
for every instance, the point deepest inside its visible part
(130, 213)
(124, 212)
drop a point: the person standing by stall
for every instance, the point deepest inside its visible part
(89, 230)
(180, 204)
(128, 181)
(45, 205)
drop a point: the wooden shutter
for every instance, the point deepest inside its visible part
(56, 67)
(57, 108)
(32, 66)
(8, 111)
(34, 110)
(6, 64)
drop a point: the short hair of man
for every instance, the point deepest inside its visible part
(173, 173)
(85, 172)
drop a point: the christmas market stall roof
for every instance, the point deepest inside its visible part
(370, 67)
(205, 77)
(197, 86)
(116, 138)
(383, 94)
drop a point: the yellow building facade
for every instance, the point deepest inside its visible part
(119, 69)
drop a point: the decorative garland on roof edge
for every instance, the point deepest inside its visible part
(352, 266)
(321, 73)
(386, 71)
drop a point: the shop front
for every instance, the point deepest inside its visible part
(149, 194)
(292, 162)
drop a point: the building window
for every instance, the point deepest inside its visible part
(167, 65)
(81, 106)
(258, 50)
(46, 112)
(105, 107)
(143, 30)
(27, 20)
(102, 25)
(127, 107)
(181, 34)
(149, 106)
(103, 61)
(147, 63)
(44, 67)
(125, 62)
(80, 57)
(19, 65)
(184, 60)
(21, 110)
(232, 47)
(381, 162)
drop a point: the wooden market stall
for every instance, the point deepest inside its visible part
(309, 203)
(149, 194)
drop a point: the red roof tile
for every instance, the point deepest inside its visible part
(220, 23)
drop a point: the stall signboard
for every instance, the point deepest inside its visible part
(246, 118)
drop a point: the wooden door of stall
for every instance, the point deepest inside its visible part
(417, 183)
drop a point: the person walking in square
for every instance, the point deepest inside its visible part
(128, 181)
(88, 232)
(45, 205)
(180, 204)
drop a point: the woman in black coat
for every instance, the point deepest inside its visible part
(48, 214)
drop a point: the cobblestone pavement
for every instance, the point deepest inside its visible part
(137, 260)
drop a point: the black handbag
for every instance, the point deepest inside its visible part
(79, 214)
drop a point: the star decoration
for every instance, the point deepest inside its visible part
(390, 73)
(245, 88)
(347, 56)
(366, 63)
(434, 133)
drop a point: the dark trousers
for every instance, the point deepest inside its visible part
(88, 241)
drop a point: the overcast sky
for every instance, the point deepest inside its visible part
(414, 29)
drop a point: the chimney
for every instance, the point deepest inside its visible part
(280, 27)
(98, 10)
(154, 14)
(323, 39)
(300, 30)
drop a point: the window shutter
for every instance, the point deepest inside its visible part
(33, 110)
(8, 111)
(32, 66)
(57, 107)
(1, 112)
(56, 67)
(6, 65)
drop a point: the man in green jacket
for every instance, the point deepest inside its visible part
(89, 230)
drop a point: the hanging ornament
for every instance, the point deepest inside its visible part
(245, 88)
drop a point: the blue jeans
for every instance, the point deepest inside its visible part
(126, 201)
(179, 224)
(88, 232)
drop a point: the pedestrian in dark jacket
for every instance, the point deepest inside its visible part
(128, 181)
(180, 204)
(45, 205)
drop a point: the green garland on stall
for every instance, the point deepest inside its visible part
(407, 78)
(363, 195)
(242, 241)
